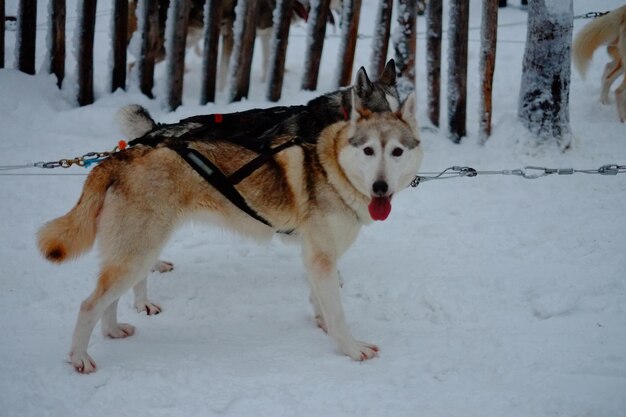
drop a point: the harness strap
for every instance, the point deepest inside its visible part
(217, 179)
(246, 170)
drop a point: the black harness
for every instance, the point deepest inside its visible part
(253, 129)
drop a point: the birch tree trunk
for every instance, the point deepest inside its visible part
(489, 34)
(26, 36)
(243, 48)
(279, 42)
(433, 59)
(350, 27)
(404, 44)
(380, 42)
(544, 93)
(457, 69)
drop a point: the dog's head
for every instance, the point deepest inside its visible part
(382, 154)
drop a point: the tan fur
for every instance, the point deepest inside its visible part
(609, 30)
(135, 199)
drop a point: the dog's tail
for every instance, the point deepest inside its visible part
(70, 235)
(600, 31)
(135, 121)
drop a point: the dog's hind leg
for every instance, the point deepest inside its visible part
(140, 291)
(131, 238)
(142, 303)
(110, 326)
(114, 281)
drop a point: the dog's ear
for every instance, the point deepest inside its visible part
(361, 92)
(363, 86)
(388, 77)
(407, 112)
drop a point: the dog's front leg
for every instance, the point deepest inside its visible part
(322, 271)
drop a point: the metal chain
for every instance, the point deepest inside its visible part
(528, 172)
(84, 161)
(591, 15)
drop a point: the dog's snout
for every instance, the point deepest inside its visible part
(380, 187)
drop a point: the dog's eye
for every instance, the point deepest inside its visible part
(368, 151)
(397, 152)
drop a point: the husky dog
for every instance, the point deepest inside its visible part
(322, 190)
(378, 96)
(609, 30)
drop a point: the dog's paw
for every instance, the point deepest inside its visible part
(82, 363)
(120, 331)
(605, 100)
(149, 307)
(162, 266)
(360, 351)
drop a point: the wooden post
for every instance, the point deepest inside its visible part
(241, 61)
(433, 59)
(84, 59)
(457, 69)
(350, 30)
(280, 39)
(57, 40)
(1, 33)
(175, 59)
(149, 28)
(315, 44)
(120, 40)
(380, 42)
(212, 22)
(405, 39)
(489, 35)
(26, 35)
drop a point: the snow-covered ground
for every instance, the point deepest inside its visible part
(489, 296)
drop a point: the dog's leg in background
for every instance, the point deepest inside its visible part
(142, 303)
(322, 271)
(620, 93)
(612, 70)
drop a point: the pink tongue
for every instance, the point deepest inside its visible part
(379, 208)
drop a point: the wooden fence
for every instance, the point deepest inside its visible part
(151, 12)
